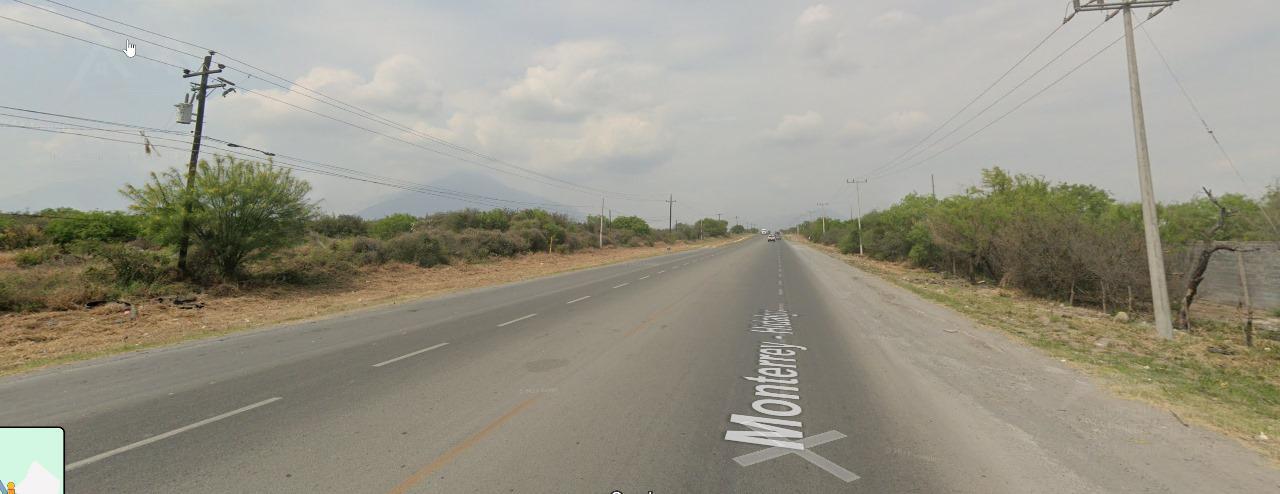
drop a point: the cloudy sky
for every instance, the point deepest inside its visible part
(758, 111)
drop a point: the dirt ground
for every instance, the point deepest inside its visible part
(32, 340)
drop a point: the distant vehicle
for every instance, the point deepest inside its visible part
(764, 231)
(772, 237)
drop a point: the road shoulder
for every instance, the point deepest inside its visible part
(998, 387)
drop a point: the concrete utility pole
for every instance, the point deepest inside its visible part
(857, 186)
(1155, 253)
(602, 222)
(184, 243)
(824, 216)
(671, 201)
(933, 187)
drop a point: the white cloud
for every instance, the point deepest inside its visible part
(822, 43)
(576, 78)
(894, 18)
(804, 127)
(894, 126)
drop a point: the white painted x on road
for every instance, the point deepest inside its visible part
(814, 458)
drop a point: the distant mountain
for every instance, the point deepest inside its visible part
(419, 204)
(87, 194)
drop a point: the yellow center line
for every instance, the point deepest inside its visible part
(448, 456)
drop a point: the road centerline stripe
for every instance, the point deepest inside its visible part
(407, 355)
(579, 299)
(645, 277)
(166, 435)
(622, 285)
(516, 320)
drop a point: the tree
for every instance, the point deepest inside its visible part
(241, 210)
(1201, 263)
(632, 224)
(738, 230)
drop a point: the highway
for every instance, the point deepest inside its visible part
(753, 367)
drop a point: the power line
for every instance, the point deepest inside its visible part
(882, 169)
(1007, 113)
(975, 98)
(428, 190)
(341, 105)
(1212, 135)
(316, 163)
(94, 43)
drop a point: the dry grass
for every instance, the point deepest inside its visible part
(33, 340)
(1207, 377)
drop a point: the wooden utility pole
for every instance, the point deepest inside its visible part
(1248, 304)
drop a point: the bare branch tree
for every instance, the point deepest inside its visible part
(1201, 263)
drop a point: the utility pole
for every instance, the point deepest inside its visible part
(857, 187)
(1155, 253)
(933, 187)
(601, 222)
(184, 243)
(671, 200)
(824, 216)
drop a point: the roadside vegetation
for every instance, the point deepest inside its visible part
(1070, 243)
(254, 228)
(1063, 267)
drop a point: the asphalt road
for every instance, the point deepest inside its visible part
(655, 375)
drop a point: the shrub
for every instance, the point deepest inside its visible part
(632, 224)
(414, 248)
(241, 210)
(101, 226)
(45, 254)
(344, 225)
(313, 263)
(368, 250)
(392, 226)
(131, 265)
(14, 235)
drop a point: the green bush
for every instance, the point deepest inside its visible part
(367, 251)
(338, 226)
(101, 226)
(414, 248)
(632, 224)
(313, 263)
(392, 226)
(130, 266)
(15, 235)
(44, 254)
(241, 210)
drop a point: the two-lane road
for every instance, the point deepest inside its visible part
(701, 371)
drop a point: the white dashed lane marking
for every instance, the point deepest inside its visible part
(166, 435)
(516, 320)
(407, 355)
(579, 299)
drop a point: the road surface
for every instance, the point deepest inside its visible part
(754, 367)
